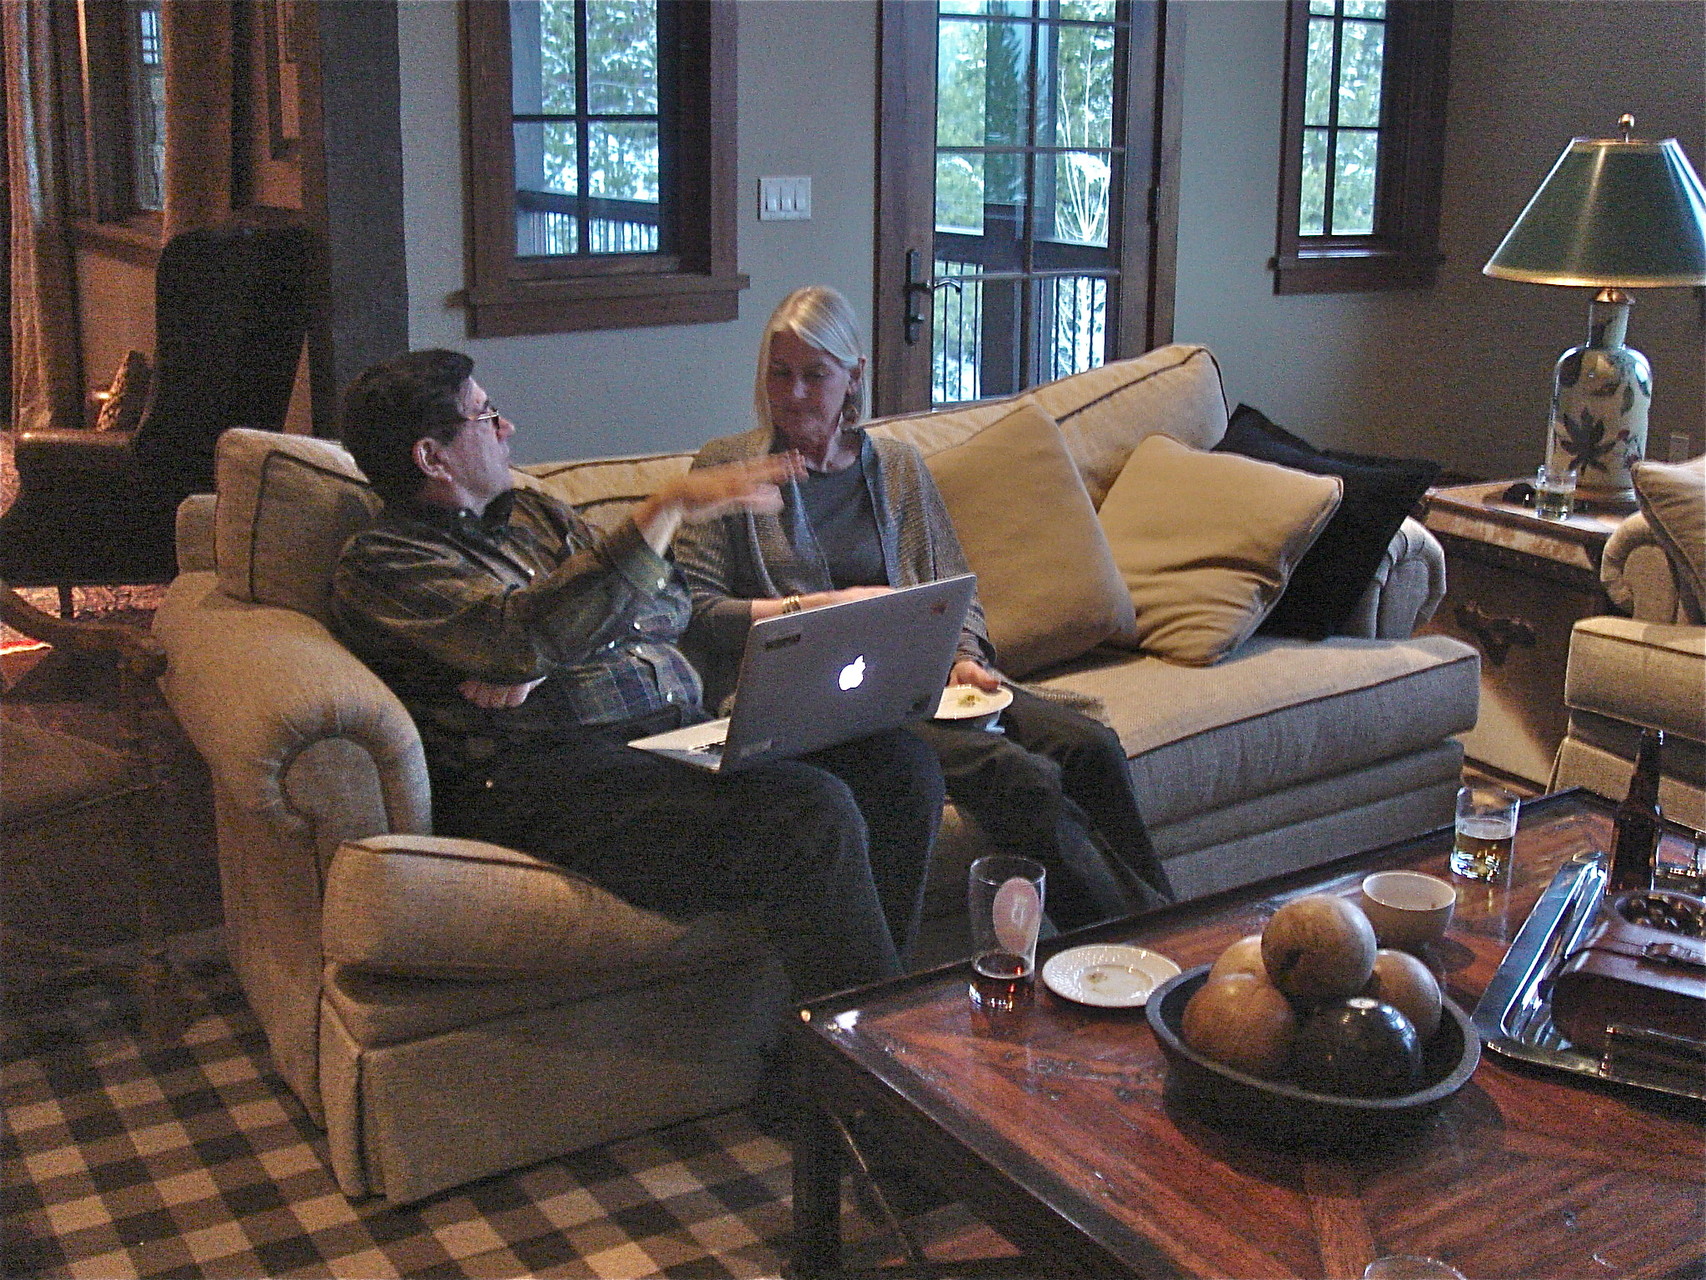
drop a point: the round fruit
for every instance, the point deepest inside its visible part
(1243, 956)
(1241, 1021)
(1406, 984)
(1319, 947)
(1359, 1048)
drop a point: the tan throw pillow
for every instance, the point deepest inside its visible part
(1206, 542)
(432, 907)
(287, 504)
(1048, 583)
(1673, 496)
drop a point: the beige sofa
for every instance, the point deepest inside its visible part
(1647, 669)
(449, 1010)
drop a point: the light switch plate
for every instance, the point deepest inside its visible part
(784, 199)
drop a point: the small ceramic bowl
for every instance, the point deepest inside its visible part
(1407, 908)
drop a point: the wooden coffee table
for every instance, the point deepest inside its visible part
(1053, 1125)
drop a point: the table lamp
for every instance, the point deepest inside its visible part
(1614, 214)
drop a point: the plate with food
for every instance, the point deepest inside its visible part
(1112, 977)
(968, 702)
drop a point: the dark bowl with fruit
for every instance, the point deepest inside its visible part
(1240, 1101)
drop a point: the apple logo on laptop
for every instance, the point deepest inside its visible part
(853, 674)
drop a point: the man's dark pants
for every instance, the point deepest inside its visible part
(832, 849)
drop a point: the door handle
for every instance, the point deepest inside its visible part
(919, 289)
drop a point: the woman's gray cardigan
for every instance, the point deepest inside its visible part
(747, 555)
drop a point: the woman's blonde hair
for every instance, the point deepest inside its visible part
(822, 317)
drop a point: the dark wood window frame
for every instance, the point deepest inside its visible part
(1403, 251)
(697, 283)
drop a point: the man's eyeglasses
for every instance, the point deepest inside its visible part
(490, 415)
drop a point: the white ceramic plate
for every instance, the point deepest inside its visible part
(966, 701)
(1113, 977)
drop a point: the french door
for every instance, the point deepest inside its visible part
(1027, 160)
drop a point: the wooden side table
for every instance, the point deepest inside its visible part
(1515, 584)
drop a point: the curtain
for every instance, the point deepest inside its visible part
(47, 377)
(197, 48)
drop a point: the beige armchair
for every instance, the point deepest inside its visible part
(1649, 668)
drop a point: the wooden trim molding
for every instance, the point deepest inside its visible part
(694, 280)
(1403, 251)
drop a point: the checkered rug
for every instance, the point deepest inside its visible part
(122, 1159)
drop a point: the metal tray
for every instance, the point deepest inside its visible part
(1515, 1014)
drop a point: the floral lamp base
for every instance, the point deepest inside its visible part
(1600, 396)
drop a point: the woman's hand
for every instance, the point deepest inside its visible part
(497, 697)
(971, 671)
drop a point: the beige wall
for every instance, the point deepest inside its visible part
(1460, 372)
(807, 70)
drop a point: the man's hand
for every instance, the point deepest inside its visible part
(972, 672)
(497, 697)
(708, 492)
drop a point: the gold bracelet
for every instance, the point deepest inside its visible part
(790, 604)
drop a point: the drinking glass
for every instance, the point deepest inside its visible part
(1004, 895)
(1554, 493)
(1485, 832)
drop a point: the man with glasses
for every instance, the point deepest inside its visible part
(530, 649)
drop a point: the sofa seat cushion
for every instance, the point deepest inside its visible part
(1646, 673)
(1045, 575)
(1276, 714)
(435, 907)
(379, 1009)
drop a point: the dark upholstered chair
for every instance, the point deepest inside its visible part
(231, 310)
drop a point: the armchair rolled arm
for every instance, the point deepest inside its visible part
(260, 688)
(50, 453)
(1407, 586)
(1637, 573)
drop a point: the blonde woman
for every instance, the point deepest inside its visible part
(865, 517)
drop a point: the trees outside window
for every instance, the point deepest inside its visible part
(1364, 119)
(1027, 207)
(601, 163)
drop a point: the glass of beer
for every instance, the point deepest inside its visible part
(1554, 493)
(1485, 833)
(1004, 895)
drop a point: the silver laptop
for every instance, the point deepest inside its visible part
(825, 676)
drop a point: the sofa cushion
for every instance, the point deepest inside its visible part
(1045, 575)
(434, 907)
(1102, 413)
(287, 504)
(1379, 493)
(1277, 714)
(1206, 542)
(1673, 496)
(604, 490)
(1647, 673)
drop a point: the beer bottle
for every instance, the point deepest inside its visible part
(1636, 825)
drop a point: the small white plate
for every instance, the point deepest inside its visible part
(967, 701)
(1113, 977)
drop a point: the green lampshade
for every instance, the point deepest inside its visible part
(1611, 214)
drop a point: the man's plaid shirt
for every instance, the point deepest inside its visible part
(430, 597)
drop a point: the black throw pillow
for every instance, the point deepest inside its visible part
(1379, 493)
